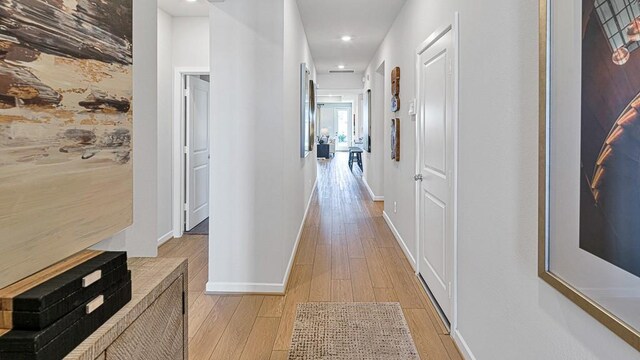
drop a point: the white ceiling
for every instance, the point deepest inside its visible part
(184, 8)
(326, 21)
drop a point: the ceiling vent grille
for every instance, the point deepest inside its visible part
(341, 71)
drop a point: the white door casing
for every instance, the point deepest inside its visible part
(336, 116)
(197, 151)
(436, 165)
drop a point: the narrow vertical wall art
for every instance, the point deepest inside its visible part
(395, 139)
(367, 107)
(313, 107)
(395, 89)
(306, 85)
(395, 107)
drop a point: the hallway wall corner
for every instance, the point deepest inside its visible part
(374, 197)
(403, 245)
(260, 185)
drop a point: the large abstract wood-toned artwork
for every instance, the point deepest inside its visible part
(65, 128)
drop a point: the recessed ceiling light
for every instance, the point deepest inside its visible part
(340, 66)
(346, 38)
(192, 1)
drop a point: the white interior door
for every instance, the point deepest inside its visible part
(197, 151)
(436, 164)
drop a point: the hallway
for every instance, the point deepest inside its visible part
(346, 254)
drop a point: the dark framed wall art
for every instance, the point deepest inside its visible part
(306, 110)
(589, 185)
(313, 111)
(367, 120)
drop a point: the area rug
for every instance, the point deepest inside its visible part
(345, 331)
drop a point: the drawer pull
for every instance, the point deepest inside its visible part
(94, 304)
(91, 278)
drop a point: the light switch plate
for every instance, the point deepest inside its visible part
(412, 107)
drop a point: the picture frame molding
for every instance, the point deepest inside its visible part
(369, 119)
(608, 319)
(313, 113)
(305, 111)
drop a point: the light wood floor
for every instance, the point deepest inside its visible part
(347, 253)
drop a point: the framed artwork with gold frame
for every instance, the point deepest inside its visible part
(589, 158)
(313, 107)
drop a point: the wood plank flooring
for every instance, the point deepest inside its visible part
(346, 253)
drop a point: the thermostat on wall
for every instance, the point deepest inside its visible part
(412, 107)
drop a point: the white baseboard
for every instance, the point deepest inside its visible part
(166, 237)
(234, 288)
(462, 345)
(400, 241)
(265, 288)
(373, 196)
(285, 281)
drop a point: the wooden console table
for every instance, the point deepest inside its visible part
(153, 325)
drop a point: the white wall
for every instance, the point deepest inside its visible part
(183, 42)
(340, 81)
(376, 161)
(299, 174)
(505, 311)
(165, 124)
(141, 238)
(191, 42)
(260, 186)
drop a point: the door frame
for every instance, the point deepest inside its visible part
(435, 36)
(336, 123)
(178, 144)
(349, 105)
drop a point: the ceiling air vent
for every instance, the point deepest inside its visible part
(341, 71)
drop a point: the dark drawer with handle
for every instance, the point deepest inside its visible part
(39, 306)
(64, 335)
(49, 313)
